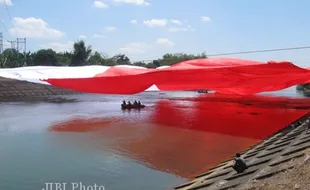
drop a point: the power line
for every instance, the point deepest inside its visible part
(252, 51)
(3, 25)
(19, 43)
(7, 9)
(261, 51)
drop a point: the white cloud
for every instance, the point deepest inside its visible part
(133, 21)
(7, 2)
(205, 19)
(174, 29)
(177, 22)
(135, 2)
(33, 28)
(100, 4)
(59, 46)
(110, 28)
(82, 36)
(135, 48)
(98, 36)
(165, 41)
(181, 29)
(155, 22)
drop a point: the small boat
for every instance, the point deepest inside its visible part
(202, 91)
(125, 107)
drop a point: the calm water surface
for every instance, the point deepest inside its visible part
(93, 141)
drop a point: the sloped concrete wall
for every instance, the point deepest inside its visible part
(15, 89)
(274, 155)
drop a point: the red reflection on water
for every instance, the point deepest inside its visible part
(83, 124)
(183, 153)
(219, 127)
(245, 116)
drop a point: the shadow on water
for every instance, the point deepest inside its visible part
(186, 136)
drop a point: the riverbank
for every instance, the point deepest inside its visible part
(277, 157)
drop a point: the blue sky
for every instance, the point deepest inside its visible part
(190, 26)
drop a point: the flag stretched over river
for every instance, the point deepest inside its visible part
(223, 75)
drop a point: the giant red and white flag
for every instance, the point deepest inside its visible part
(224, 75)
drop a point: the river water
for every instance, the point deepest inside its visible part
(92, 141)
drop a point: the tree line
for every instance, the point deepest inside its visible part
(83, 55)
(303, 87)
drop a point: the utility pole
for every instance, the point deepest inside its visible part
(21, 45)
(12, 44)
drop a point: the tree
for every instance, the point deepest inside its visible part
(303, 87)
(46, 57)
(81, 54)
(121, 59)
(140, 64)
(2, 60)
(170, 59)
(156, 63)
(11, 58)
(28, 58)
(110, 62)
(64, 58)
(96, 59)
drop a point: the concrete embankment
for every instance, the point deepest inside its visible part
(270, 157)
(16, 90)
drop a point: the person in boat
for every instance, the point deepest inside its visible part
(124, 103)
(135, 103)
(139, 103)
(129, 103)
(239, 165)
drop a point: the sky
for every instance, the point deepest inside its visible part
(147, 29)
